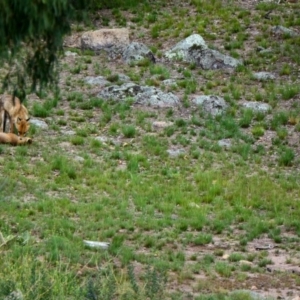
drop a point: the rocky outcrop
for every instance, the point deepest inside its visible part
(194, 50)
(137, 51)
(104, 38)
(112, 41)
(146, 95)
(211, 104)
(181, 50)
(264, 76)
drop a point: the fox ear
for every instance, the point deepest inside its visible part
(27, 119)
(19, 119)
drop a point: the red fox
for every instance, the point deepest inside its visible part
(13, 139)
(17, 113)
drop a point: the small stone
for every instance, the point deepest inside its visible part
(263, 76)
(79, 158)
(225, 143)
(246, 262)
(106, 140)
(124, 78)
(15, 295)
(99, 80)
(225, 256)
(257, 106)
(102, 139)
(70, 53)
(193, 204)
(161, 124)
(169, 82)
(69, 132)
(176, 152)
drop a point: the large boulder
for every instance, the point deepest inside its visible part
(181, 49)
(137, 51)
(193, 49)
(112, 41)
(145, 95)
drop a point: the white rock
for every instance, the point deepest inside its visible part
(93, 244)
(257, 106)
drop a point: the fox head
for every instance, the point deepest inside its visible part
(22, 126)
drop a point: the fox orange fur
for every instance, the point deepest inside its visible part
(17, 113)
(13, 139)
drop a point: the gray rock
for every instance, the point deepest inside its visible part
(263, 76)
(99, 80)
(169, 82)
(120, 92)
(102, 139)
(106, 140)
(137, 51)
(155, 97)
(225, 143)
(124, 77)
(70, 53)
(181, 49)
(141, 95)
(161, 124)
(281, 30)
(252, 294)
(39, 123)
(211, 104)
(211, 59)
(194, 50)
(263, 50)
(257, 106)
(79, 158)
(69, 132)
(176, 152)
(15, 295)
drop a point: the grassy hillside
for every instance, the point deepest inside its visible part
(198, 225)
